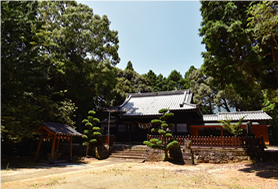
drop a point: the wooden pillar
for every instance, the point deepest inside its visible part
(129, 128)
(70, 159)
(222, 142)
(38, 149)
(51, 160)
(57, 145)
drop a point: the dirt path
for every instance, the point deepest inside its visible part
(116, 174)
(44, 170)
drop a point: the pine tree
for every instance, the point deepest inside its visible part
(161, 126)
(92, 133)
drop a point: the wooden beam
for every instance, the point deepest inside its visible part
(38, 149)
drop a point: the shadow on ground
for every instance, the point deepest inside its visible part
(267, 170)
(27, 162)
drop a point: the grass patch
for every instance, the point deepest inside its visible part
(51, 182)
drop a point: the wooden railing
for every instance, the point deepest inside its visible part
(217, 141)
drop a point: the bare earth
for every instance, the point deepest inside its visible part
(100, 174)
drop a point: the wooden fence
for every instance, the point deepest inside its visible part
(217, 141)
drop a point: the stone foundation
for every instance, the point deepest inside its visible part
(205, 155)
(179, 156)
(220, 155)
(154, 154)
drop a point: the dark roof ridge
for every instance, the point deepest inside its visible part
(161, 93)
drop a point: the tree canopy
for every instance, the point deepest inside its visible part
(56, 57)
(84, 50)
(241, 51)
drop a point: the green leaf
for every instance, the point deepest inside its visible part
(85, 136)
(96, 134)
(88, 124)
(161, 132)
(154, 130)
(91, 112)
(156, 122)
(168, 135)
(163, 110)
(85, 121)
(96, 128)
(173, 145)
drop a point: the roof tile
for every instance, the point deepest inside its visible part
(151, 103)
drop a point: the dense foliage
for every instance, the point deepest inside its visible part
(28, 99)
(129, 81)
(56, 57)
(58, 60)
(241, 52)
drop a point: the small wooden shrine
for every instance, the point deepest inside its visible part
(55, 131)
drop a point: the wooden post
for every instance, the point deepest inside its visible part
(38, 149)
(51, 160)
(129, 133)
(70, 159)
(57, 145)
(222, 136)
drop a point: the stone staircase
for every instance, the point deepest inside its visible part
(127, 151)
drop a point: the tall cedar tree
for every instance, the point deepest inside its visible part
(161, 126)
(264, 19)
(84, 51)
(230, 57)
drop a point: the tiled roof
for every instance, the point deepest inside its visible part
(150, 103)
(62, 129)
(235, 116)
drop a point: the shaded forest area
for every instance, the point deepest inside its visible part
(58, 61)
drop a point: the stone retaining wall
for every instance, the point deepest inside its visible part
(180, 156)
(154, 154)
(220, 155)
(205, 155)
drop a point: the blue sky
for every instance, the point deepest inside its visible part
(157, 35)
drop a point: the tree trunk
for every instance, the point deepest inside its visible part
(87, 150)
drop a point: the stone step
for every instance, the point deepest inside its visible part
(128, 148)
(127, 156)
(128, 151)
